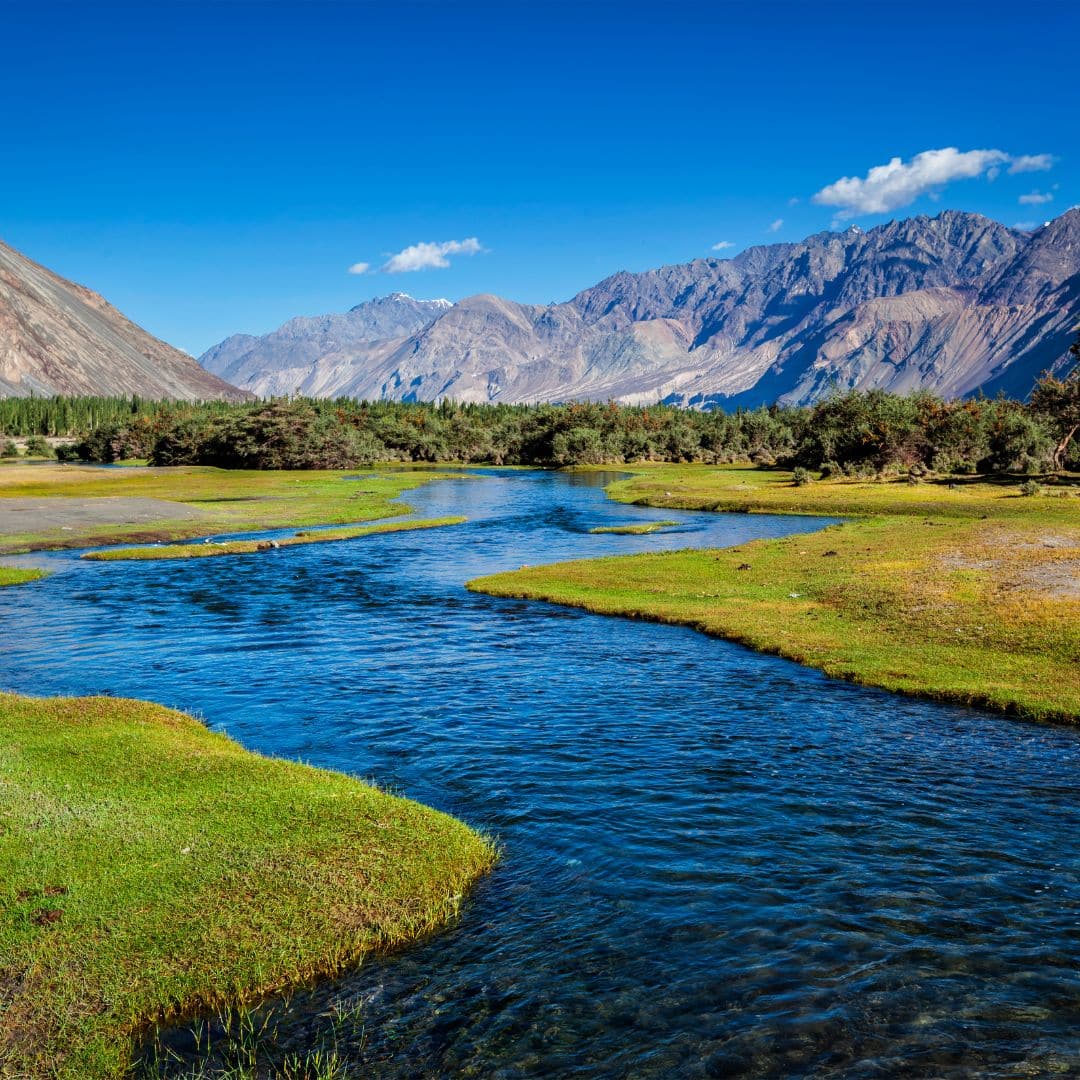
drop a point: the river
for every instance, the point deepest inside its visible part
(715, 863)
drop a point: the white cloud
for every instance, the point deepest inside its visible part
(1031, 163)
(429, 256)
(777, 225)
(900, 183)
(1035, 198)
(1026, 226)
(793, 201)
(723, 245)
(359, 268)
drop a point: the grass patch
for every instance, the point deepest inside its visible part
(225, 501)
(251, 547)
(636, 530)
(17, 575)
(745, 489)
(153, 870)
(968, 595)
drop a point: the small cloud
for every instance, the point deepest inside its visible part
(1026, 226)
(723, 245)
(1035, 198)
(793, 201)
(899, 183)
(777, 225)
(359, 268)
(1032, 163)
(429, 256)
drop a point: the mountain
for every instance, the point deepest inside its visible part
(313, 355)
(955, 303)
(57, 337)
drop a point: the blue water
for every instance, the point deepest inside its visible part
(715, 863)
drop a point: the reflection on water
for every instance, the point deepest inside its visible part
(715, 863)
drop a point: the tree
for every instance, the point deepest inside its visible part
(1059, 401)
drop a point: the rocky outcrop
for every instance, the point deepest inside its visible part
(57, 337)
(955, 304)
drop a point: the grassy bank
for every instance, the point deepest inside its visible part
(194, 501)
(251, 547)
(745, 489)
(16, 575)
(969, 595)
(152, 869)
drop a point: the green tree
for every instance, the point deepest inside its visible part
(1059, 401)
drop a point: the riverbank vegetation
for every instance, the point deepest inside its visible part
(251, 547)
(153, 870)
(967, 593)
(854, 434)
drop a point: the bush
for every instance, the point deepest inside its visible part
(9, 449)
(800, 477)
(67, 452)
(36, 446)
(1030, 487)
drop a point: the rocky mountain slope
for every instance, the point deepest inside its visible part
(955, 303)
(314, 355)
(57, 337)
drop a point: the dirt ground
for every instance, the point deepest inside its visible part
(33, 515)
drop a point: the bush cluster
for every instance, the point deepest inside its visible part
(853, 434)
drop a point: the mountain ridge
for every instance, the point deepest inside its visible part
(59, 337)
(954, 303)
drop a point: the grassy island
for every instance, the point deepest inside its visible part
(251, 547)
(967, 592)
(17, 575)
(636, 530)
(151, 869)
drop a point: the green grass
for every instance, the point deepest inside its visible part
(16, 575)
(745, 489)
(250, 547)
(636, 530)
(969, 595)
(153, 870)
(226, 500)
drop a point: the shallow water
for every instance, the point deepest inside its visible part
(715, 862)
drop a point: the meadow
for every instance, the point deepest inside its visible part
(191, 501)
(154, 870)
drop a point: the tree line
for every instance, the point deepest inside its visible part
(63, 416)
(854, 433)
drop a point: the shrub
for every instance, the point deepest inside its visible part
(800, 477)
(9, 449)
(36, 446)
(1030, 487)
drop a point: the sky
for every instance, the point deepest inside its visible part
(218, 168)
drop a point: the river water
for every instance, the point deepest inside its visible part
(715, 863)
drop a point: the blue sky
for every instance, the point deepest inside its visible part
(213, 168)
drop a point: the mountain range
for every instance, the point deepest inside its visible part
(955, 303)
(57, 337)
